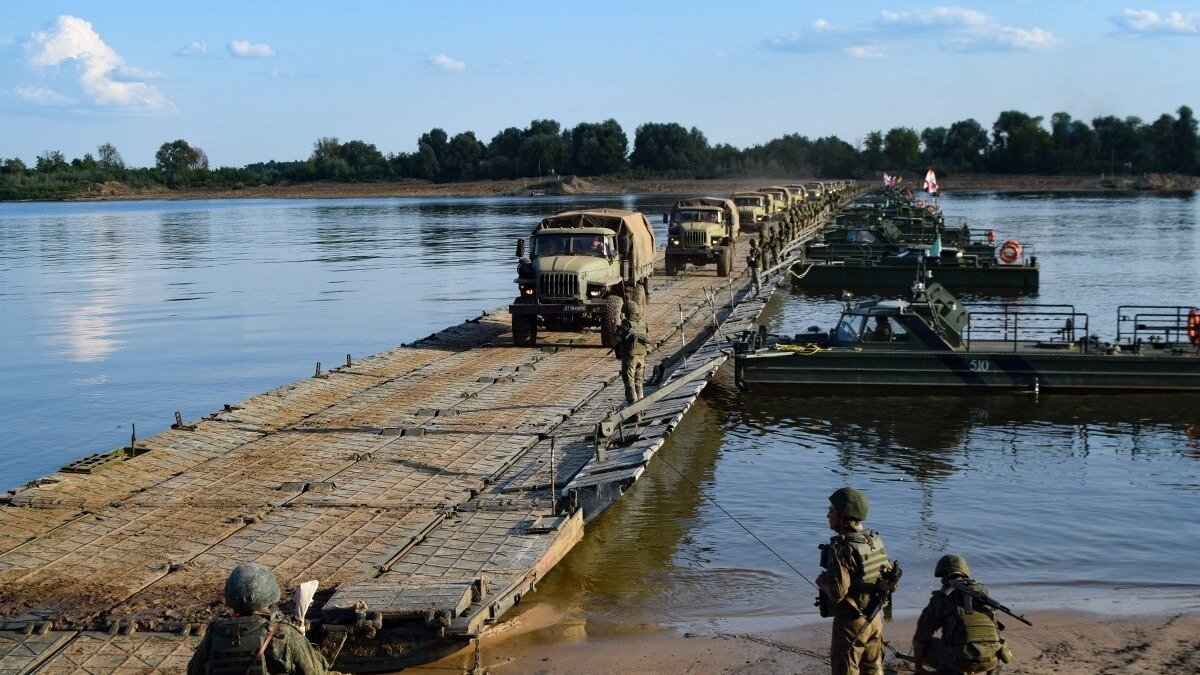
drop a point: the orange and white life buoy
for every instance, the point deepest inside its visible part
(929, 208)
(991, 237)
(1010, 251)
(1194, 326)
(921, 203)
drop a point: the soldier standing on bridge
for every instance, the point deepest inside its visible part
(254, 639)
(753, 259)
(633, 336)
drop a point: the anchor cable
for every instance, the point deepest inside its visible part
(739, 523)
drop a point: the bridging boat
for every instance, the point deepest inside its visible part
(932, 341)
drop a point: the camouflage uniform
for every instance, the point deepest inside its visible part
(633, 336)
(232, 644)
(254, 641)
(752, 262)
(850, 656)
(945, 612)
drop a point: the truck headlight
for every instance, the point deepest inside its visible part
(674, 242)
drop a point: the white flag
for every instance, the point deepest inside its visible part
(931, 185)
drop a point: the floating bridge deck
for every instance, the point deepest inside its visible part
(414, 484)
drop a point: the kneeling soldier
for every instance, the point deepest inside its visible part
(970, 641)
(254, 639)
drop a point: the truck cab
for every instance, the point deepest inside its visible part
(702, 231)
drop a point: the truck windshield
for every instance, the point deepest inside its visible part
(748, 201)
(697, 215)
(572, 244)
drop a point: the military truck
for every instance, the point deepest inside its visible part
(578, 270)
(702, 231)
(754, 209)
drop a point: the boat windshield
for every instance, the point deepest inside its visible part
(860, 237)
(849, 329)
(572, 244)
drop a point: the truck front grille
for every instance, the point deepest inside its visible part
(695, 239)
(558, 285)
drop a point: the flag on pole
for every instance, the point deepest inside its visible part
(930, 185)
(888, 179)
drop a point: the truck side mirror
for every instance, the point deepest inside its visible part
(521, 247)
(666, 218)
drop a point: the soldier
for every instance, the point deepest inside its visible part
(776, 245)
(970, 641)
(752, 262)
(254, 639)
(854, 563)
(632, 338)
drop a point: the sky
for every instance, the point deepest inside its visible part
(251, 80)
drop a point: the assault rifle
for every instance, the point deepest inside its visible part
(881, 595)
(983, 599)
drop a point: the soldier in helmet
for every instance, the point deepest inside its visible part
(970, 639)
(854, 563)
(633, 337)
(253, 639)
(752, 261)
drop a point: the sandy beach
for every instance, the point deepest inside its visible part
(1059, 642)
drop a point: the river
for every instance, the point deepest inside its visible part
(126, 312)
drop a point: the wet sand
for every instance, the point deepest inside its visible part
(1060, 642)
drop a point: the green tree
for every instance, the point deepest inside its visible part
(872, 154)
(933, 145)
(669, 147)
(12, 166)
(966, 146)
(1117, 142)
(50, 161)
(1020, 144)
(1074, 143)
(902, 148)
(177, 158)
(599, 148)
(835, 158)
(463, 154)
(425, 163)
(108, 157)
(1184, 157)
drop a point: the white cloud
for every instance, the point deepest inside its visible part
(196, 48)
(250, 50)
(864, 52)
(132, 74)
(1152, 24)
(949, 28)
(73, 39)
(43, 96)
(446, 63)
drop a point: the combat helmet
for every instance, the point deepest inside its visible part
(950, 564)
(251, 586)
(632, 308)
(850, 503)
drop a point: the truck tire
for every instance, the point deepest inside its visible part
(524, 330)
(724, 261)
(610, 321)
(672, 266)
(640, 296)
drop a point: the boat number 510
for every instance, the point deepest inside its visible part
(980, 365)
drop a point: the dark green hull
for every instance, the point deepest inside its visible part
(811, 274)
(1000, 371)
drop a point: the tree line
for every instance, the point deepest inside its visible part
(1017, 143)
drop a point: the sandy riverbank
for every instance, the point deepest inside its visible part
(601, 187)
(1059, 642)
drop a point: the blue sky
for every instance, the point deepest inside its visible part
(249, 81)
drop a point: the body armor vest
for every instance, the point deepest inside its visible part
(872, 558)
(971, 635)
(236, 642)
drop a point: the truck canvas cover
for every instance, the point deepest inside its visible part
(631, 225)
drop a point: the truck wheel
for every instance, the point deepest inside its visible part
(672, 266)
(611, 321)
(724, 260)
(524, 330)
(640, 296)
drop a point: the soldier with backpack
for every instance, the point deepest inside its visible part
(856, 569)
(254, 640)
(970, 639)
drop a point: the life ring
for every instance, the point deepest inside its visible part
(921, 203)
(991, 237)
(929, 208)
(1194, 326)
(1010, 251)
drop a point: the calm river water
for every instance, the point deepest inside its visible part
(120, 313)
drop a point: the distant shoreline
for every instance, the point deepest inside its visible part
(1152, 183)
